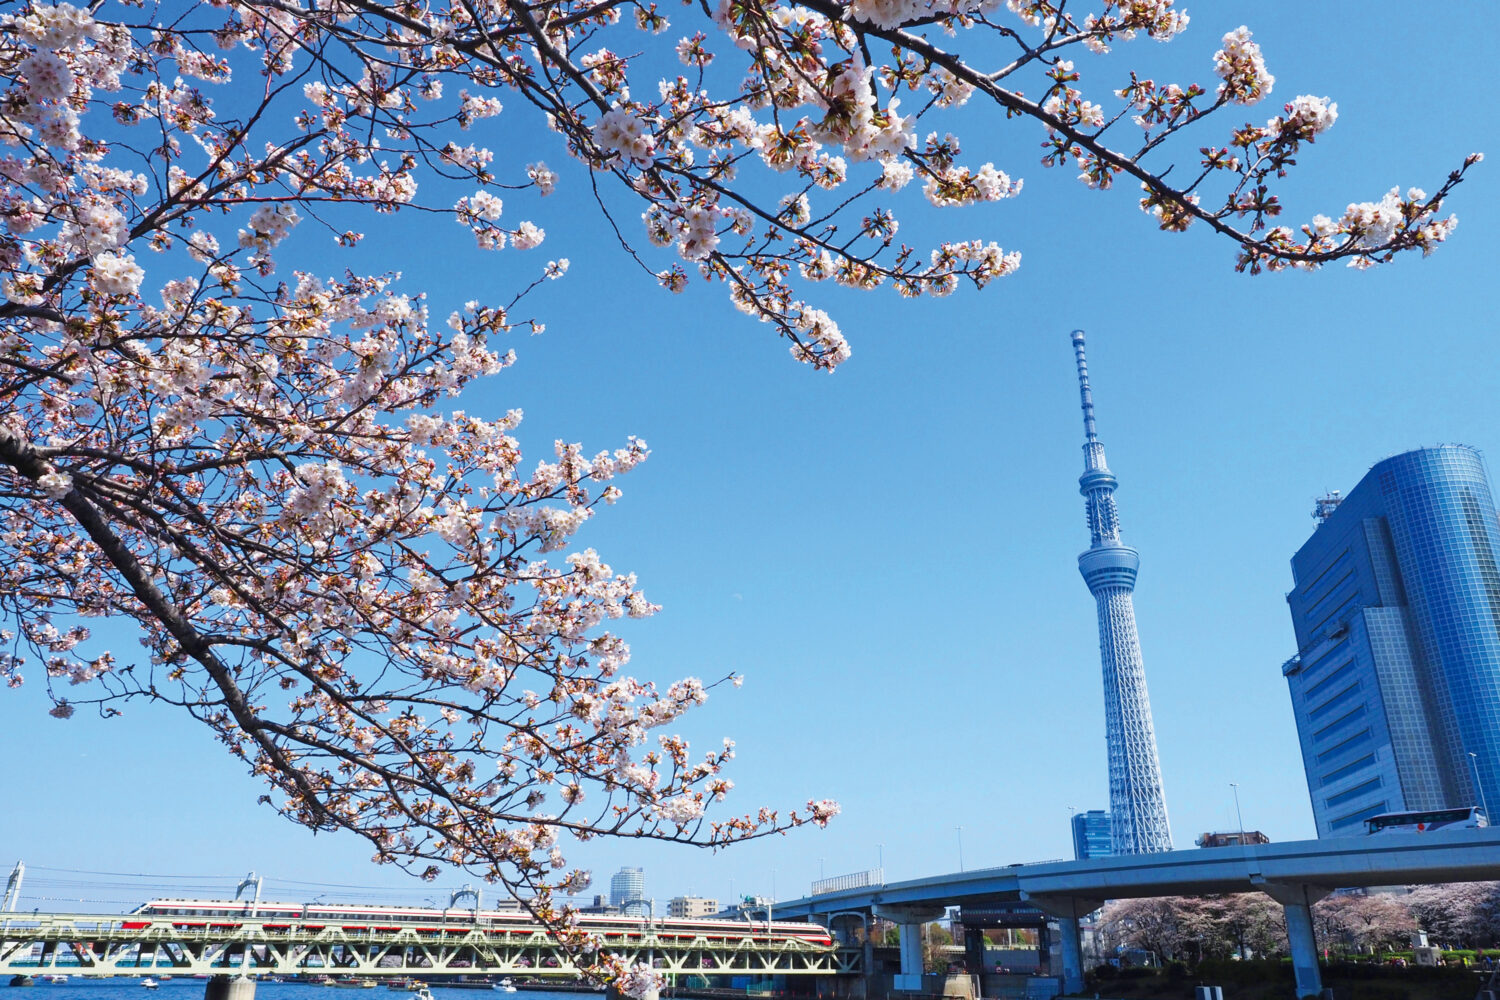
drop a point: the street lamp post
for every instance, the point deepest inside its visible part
(1237, 814)
(1474, 766)
(960, 847)
(772, 902)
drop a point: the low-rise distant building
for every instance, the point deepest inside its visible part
(691, 907)
(1234, 838)
(747, 908)
(601, 907)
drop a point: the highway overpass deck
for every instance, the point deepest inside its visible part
(1336, 863)
(1295, 873)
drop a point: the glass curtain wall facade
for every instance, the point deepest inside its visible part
(627, 890)
(1396, 608)
(1091, 835)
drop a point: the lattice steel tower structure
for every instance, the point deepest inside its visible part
(1137, 804)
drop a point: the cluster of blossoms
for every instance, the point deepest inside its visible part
(1373, 225)
(961, 186)
(1242, 68)
(1123, 18)
(116, 274)
(1306, 116)
(621, 131)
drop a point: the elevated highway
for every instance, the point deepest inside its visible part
(1294, 873)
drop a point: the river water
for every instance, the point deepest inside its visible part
(187, 988)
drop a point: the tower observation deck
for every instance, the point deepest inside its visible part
(1138, 806)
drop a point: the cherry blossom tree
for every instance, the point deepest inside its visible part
(1464, 914)
(1257, 924)
(256, 456)
(1161, 925)
(1193, 928)
(1357, 922)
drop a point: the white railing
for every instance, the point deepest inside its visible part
(856, 880)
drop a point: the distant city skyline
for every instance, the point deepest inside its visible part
(1396, 606)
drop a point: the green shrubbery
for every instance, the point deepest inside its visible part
(1368, 971)
(1272, 979)
(1269, 970)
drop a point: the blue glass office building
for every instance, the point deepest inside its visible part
(1396, 607)
(1091, 835)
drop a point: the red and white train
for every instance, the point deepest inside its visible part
(225, 914)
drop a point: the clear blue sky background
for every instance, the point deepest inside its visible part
(888, 553)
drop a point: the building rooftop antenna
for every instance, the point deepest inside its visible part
(1325, 505)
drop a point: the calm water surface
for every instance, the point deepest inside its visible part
(192, 989)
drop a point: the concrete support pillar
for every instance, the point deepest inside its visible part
(1303, 945)
(1296, 901)
(229, 988)
(1304, 949)
(910, 920)
(1072, 954)
(1067, 910)
(911, 958)
(974, 950)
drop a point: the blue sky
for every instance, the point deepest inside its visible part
(888, 553)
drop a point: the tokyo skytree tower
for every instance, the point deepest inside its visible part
(1137, 804)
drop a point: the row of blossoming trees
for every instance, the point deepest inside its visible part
(1190, 929)
(214, 427)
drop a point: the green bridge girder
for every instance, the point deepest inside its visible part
(95, 945)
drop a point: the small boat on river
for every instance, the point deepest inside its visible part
(150, 983)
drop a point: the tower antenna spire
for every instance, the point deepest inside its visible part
(1086, 397)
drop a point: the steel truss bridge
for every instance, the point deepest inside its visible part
(99, 945)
